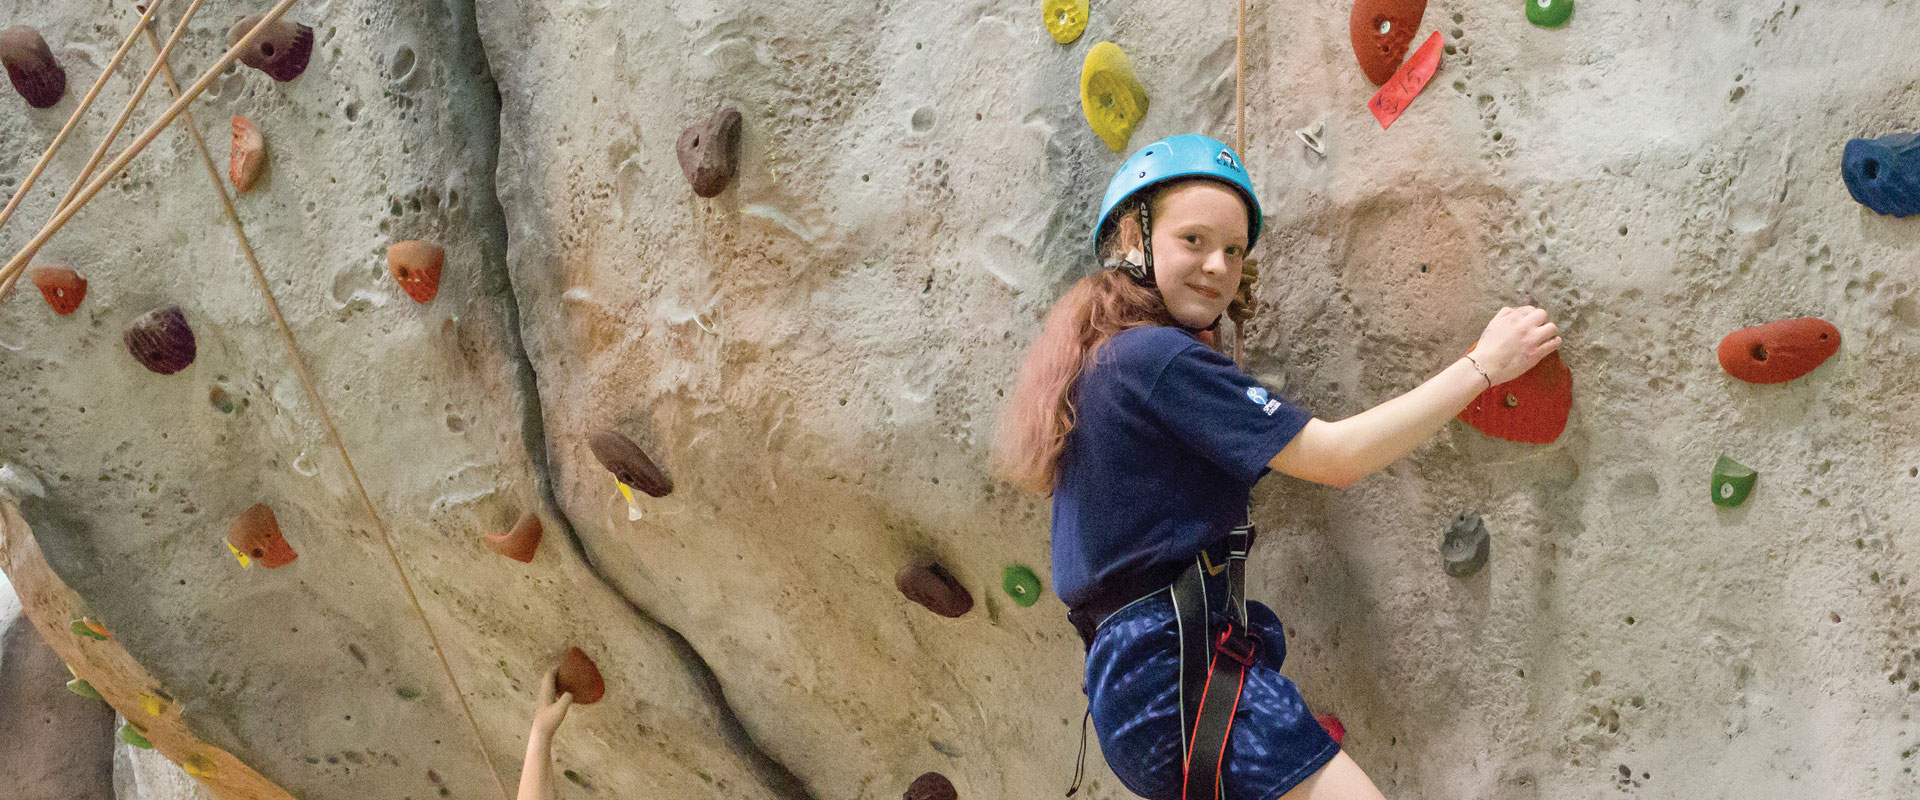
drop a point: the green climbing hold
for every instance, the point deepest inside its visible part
(133, 737)
(1732, 482)
(408, 693)
(84, 689)
(1021, 585)
(1549, 13)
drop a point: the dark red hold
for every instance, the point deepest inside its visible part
(281, 52)
(579, 675)
(931, 786)
(1778, 352)
(30, 64)
(161, 341)
(930, 585)
(629, 463)
(710, 151)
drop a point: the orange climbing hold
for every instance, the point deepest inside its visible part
(520, 543)
(63, 288)
(256, 534)
(248, 155)
(1532, 408)
(579, 676)
(1778, 352)
(1381, 31)
(416, 266)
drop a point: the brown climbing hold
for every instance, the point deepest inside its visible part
(1382, 30)
(930, 585)
(256, 534)
(63, 288)
(629, 463)
(931, 786)
(281, 52)
(1778, 352)
(416, 266)
(579, 676)
(710, 151)
(520, 543)
(248, 156)
(30, 64)
(161, 341)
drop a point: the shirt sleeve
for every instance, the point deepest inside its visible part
(1222, 413)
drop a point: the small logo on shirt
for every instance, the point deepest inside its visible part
(1272, 406)
(1257, 395)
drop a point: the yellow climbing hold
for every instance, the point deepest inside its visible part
(200, 766)
(1066, 19)
(244, 561)
(1112, 99)
(633, 509)
(152, 704)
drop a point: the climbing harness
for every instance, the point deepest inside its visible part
(1215, 651)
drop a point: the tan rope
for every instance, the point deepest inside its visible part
(73, 121)
(11, 272)
(313, 396)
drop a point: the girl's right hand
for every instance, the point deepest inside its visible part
(550, 709)
(1514, 341)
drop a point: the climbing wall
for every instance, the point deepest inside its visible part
(744, 375)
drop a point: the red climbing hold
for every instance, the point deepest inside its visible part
(281, 52)
(931, 786)
(63, 288)
(579, 676)
(161, 340)
(931, 585)
(256, 534)
(1382, 30)
(30, 64)
(629, 463)
(710, 152)
(1778, 352)
(520, 543)
(1531, 408)
(416, 266)
(1332, 724)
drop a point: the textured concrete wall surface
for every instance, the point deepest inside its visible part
(816, 356)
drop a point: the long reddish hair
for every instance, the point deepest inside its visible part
(1033, 425)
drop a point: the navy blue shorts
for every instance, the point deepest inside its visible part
(1133, 691)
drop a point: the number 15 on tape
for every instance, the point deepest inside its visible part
(1406, 83)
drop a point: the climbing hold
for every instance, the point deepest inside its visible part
(84, 689)
(1333, 727)
(1549, 13)
(407, 693)
(1464, 551)
(152, 704)
(1531, 408)
(161, 341)
(199, 766)
(63, 288)
(1020, 584)
(1381, 31)
(1778, 352)
(281, 52)
(90, 628)
(256, 534)
(248, 155)
(131, 735)
(1311, 138)
(1066, 19)
(1110, 97)
(930, 585)
(30, 64)
(1884, 173)
(520, 543)
(629, 464)
(1732, 482)
(931, 786)
(579, 676)
(416, 266)
(710, 151)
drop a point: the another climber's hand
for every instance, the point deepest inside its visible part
(551, 710)
(1243, 304)
(1514, 341)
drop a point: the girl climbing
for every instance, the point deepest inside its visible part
(1149, 441)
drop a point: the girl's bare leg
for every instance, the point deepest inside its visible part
(1340, 779)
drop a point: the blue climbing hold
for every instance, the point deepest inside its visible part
(1884, 173)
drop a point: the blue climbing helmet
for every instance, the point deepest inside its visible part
(1189, 155)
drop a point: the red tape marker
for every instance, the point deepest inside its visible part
(1406, 83)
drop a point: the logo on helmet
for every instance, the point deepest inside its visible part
(1227, 160)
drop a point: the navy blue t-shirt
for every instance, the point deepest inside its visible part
(1168, 440)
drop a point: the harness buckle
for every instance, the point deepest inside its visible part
(1239, 645)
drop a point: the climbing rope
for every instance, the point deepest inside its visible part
(77, 197)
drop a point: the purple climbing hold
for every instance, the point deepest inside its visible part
(931, 585)
(931, 786)
(1884, 173)
(161, 340)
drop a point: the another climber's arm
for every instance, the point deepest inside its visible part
(536, 772)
